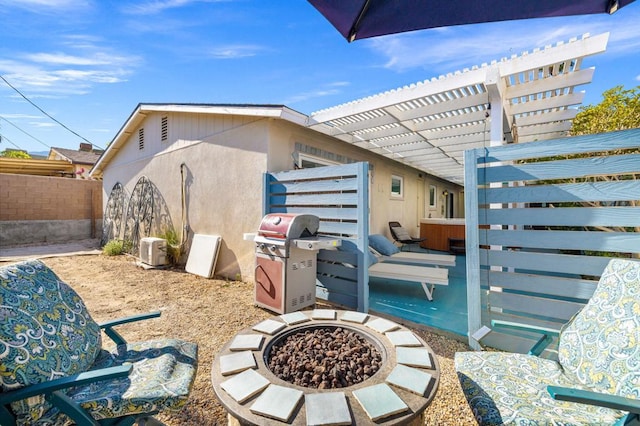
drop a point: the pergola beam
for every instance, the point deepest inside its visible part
(438, 119)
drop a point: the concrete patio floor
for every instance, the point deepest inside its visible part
(44, 250)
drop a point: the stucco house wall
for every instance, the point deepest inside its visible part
(224, 159)
(287, 138)
(225, 155)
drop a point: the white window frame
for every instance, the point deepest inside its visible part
(313, 159)
(400, 193)
(433, 197)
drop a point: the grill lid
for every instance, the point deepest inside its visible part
(288, 226)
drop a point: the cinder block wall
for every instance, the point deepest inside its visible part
(48, 209)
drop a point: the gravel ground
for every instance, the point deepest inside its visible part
(210, 312)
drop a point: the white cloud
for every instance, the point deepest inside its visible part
(235, 51)
(42, 124)
(65, 59)
(73, 70)
(328, 89)
(449, 49)
(159, 6)
(46, 6)
(12, 116)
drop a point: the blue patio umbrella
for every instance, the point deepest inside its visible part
(357, 19)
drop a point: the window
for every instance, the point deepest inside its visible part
(432, 196)
(306, 161)
(397, 183)
(164, 129)
(141, 139)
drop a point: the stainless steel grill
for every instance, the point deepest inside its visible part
(286, 249)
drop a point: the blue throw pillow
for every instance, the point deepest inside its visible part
(351, 246)
(382, 245)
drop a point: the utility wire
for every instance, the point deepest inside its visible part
(31, 136)
(6, 139)
(44, 112)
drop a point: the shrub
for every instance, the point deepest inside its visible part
(174, 249)
(113, 248)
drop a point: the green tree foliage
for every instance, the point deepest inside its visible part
(619, 110)
(14, 153)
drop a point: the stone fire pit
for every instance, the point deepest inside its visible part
(325, 367)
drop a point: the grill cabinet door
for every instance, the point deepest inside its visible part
(269, 278)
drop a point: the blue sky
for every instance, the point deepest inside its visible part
(88, 63)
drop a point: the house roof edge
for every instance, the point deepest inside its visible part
(139, 113)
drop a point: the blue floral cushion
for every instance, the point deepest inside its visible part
(161, 379)
(45, 332)
(600, 346)
(598, 350)
(382, 245)
(511, 389)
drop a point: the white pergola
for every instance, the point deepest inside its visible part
(429, 125)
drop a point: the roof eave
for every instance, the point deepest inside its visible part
(140, 112)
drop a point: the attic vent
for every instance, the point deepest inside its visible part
(164, 129)
(141, 139)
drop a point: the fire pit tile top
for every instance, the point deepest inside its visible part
(410, 378)
(413, 357)
(277, 402)
(403, 338)
(352, 316)
(245, 385)
(243, 342)
(398, 393)
(269, 326)
(323, 314)
(380, 401)
(327, 409)
(294, 318)
(382, 325)
(237, 362)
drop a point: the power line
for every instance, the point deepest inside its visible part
(4, 138)
(44, 112)
(31, 136)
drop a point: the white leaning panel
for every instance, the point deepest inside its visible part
(203, 255)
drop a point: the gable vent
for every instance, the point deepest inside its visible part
(164, 129)
(141, 139)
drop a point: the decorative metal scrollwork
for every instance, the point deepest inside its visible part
(139, 214)
(114, 211)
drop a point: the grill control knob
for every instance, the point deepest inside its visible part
(273, 248)
(261, 245)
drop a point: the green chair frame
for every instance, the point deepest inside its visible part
(598, 364)
(58, 392)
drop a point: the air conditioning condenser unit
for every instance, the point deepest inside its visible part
(153, 251)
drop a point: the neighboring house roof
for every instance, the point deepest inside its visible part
(140, 112)
(77, 156)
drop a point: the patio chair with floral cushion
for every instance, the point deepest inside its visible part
(54, 371)
(596, 379)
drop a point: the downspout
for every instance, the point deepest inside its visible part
(184, 219)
